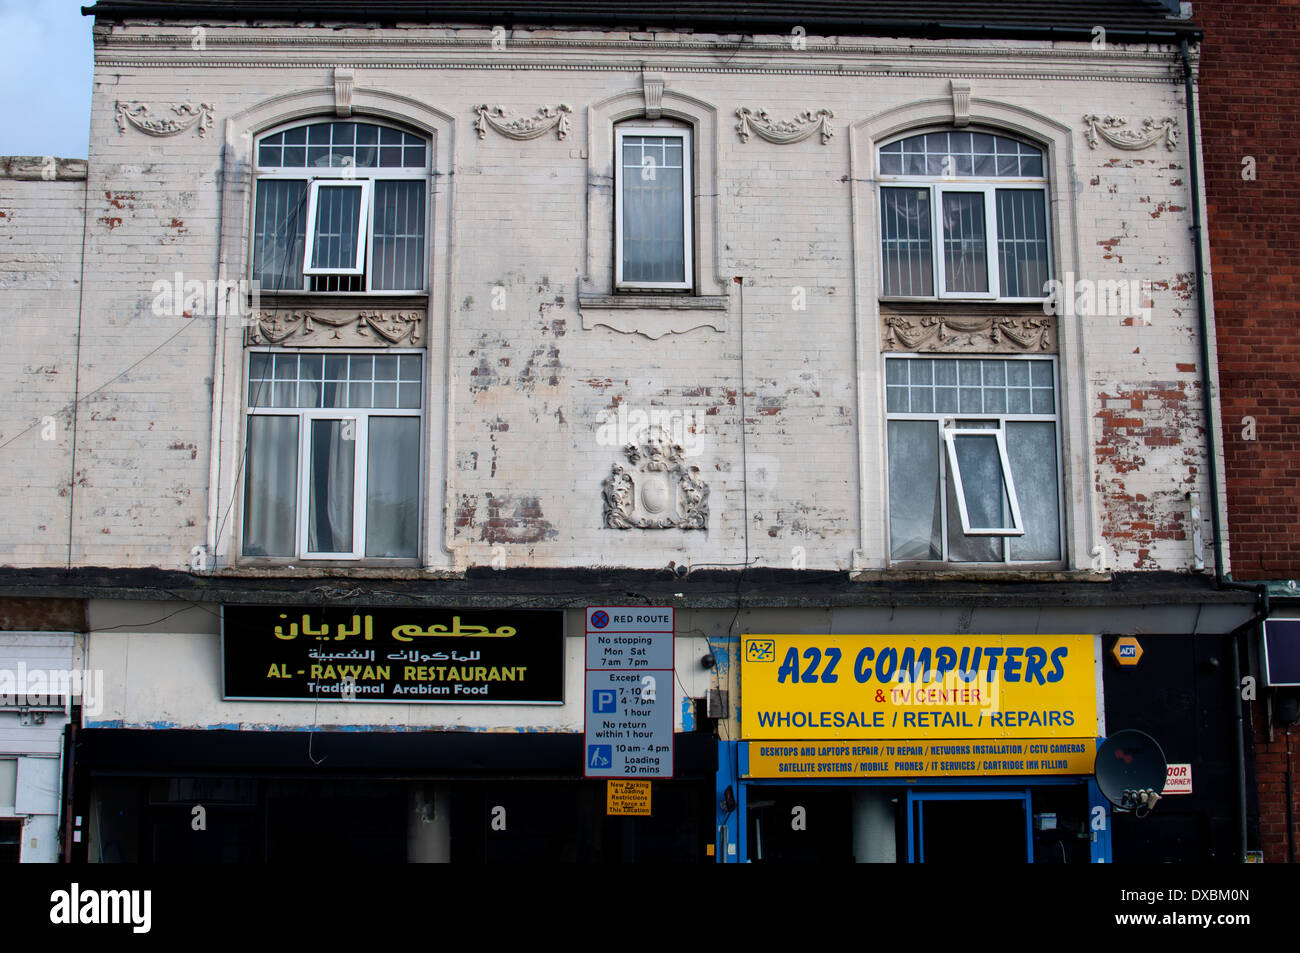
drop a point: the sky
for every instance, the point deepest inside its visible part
(46, 70)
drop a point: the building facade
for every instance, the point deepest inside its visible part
(858, 338)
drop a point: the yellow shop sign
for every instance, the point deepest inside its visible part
(818, 687)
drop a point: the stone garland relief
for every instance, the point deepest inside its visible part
(657, 490)
(188, 115)
(341, 328)
(1114, 130)
(523, 128)
(783, 131)
(998, 333)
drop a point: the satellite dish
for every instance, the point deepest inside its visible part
(1130, 770)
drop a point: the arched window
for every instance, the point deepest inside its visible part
(963, 214)
(341, 206)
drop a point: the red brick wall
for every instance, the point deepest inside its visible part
(1270, 781)
(1249, 78)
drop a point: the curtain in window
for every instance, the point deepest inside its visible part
(271, 486)
(654, 240)
(1031, 451)
(905, 231)
(330, 479)
(279, 231)
(393, 487)
(399, 236)
(968, 549)
(915, 517)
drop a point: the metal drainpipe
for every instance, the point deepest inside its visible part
(1221, 579)
(1202, 317)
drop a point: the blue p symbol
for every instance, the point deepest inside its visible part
(602, 700)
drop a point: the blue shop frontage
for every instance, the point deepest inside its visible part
(921, 741)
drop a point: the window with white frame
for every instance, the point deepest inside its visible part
(333, 455)
(974, 464)
(652, 207)
(963, 214)
(340, 206)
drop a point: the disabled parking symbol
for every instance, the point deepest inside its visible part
(604, 700)
(600, 756)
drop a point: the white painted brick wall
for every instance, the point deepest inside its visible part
(40, 255)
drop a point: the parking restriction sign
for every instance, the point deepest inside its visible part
(628, 693)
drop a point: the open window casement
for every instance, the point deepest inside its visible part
(984, 488)
(338, 213)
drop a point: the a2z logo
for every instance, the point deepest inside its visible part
(789, 670)
(760, 650)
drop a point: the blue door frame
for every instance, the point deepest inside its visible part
(732, 832)
(916, 801)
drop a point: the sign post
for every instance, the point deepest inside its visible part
(628, 696)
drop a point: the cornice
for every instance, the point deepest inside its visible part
(482, 41)
(551, 66)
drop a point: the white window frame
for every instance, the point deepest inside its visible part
(988, 186)
(361, 416)
(361, 248)
(950, 435)
(343, 175)
(946, 421)
(360, 458)
(937, 247)
(688, 202)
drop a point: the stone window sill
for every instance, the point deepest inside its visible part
(666, 302)
(653, 315)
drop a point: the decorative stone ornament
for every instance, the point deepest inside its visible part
(188, 115)
(953, 334)
(658, 490)
(344, 84)
(784, 132)
(303, 328)
(547, 118)
(653, 88)
(1112, 129)
(960, 103)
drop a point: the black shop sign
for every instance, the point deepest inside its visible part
(417, 655)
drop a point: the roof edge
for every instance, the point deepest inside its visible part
(380, 13)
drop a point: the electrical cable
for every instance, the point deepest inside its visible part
(76, 370)
(290, 219)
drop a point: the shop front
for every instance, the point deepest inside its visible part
(920, 749)
(278, 733)
(41, 682)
